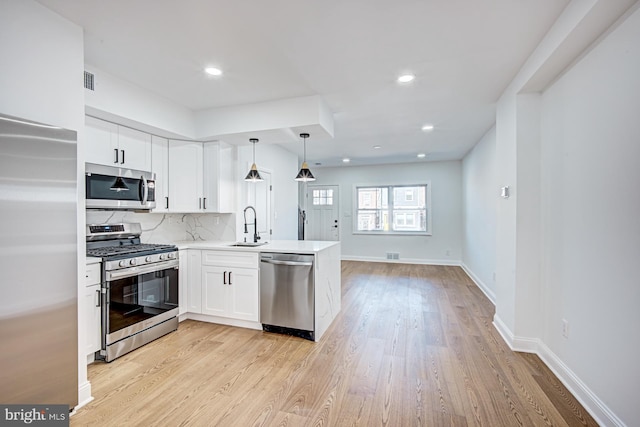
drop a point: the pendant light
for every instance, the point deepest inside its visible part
(305, 174)
(253, 175)
(119, 185)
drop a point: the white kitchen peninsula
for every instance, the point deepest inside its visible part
(237, 309)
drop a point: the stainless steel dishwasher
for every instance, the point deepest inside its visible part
(287, 294)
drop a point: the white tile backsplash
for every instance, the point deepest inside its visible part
(167, 228)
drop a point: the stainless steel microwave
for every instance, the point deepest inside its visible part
(109, 187)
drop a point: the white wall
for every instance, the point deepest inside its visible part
(41, 62)
(527, 301)
(282, 165)
(480, 198)
(117, 100)
(446, 199)
(591, 219)
(41, 79)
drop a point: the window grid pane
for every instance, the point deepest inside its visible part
(322, 197)
(405, 211)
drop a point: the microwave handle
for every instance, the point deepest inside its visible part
(145, 190)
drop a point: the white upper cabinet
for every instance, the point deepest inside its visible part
(219, 178)
(135, 149)
(186, 176)
(113, 145)
(160, 166)
(201, 177)
(191, 176)
(102, 142)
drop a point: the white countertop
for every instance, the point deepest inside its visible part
(281, 246)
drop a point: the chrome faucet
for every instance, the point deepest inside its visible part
(255, 223)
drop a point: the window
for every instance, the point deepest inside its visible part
(398, 209)
(323, 197)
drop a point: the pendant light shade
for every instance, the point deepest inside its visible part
(305, 174)
(119, 185)
(253, 175)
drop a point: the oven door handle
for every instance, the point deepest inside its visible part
(135, 271)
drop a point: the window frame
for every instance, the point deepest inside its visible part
(389, 210)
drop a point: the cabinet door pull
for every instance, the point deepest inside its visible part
(122, 161)
(97, 297)
(224, 277)
(116, 151)
(199, 202)
(230, 278)
(204, 203)
(166, 202)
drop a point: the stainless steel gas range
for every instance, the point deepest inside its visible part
(139, 291)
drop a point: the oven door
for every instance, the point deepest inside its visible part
(138, 298)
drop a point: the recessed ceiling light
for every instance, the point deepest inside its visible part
(406, 78)
(346, 160)
(421, 155)
(428, 127)
(213, 71)
(376, 147)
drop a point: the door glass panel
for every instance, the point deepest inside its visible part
(99, 187)
(134, 299)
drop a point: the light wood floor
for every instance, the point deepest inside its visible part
(412, 346)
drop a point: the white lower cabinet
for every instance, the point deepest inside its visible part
(230, 285)
(183, 280)
(92, 313)
(194, 281)
(230, 292)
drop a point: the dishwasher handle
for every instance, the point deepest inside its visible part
(278, 262)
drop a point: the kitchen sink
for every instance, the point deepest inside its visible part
(249, 244)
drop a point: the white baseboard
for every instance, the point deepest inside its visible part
(594, 405)
(521, 344)
(403, 260)
(84, 395)
(223, 321)
(587, 398)
(484, 288)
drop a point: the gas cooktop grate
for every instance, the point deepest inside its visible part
(127, 249)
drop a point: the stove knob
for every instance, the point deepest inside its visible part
(122, 263)
(132, 262)
(148, 259)
(162, 256)
(172, 255)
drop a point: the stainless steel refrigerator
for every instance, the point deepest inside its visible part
(38, 264)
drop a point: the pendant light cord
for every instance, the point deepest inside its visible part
(305, 149)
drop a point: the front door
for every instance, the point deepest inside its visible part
(322, 213)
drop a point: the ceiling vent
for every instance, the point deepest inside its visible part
(88, 80)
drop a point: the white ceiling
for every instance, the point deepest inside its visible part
(463, 53)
